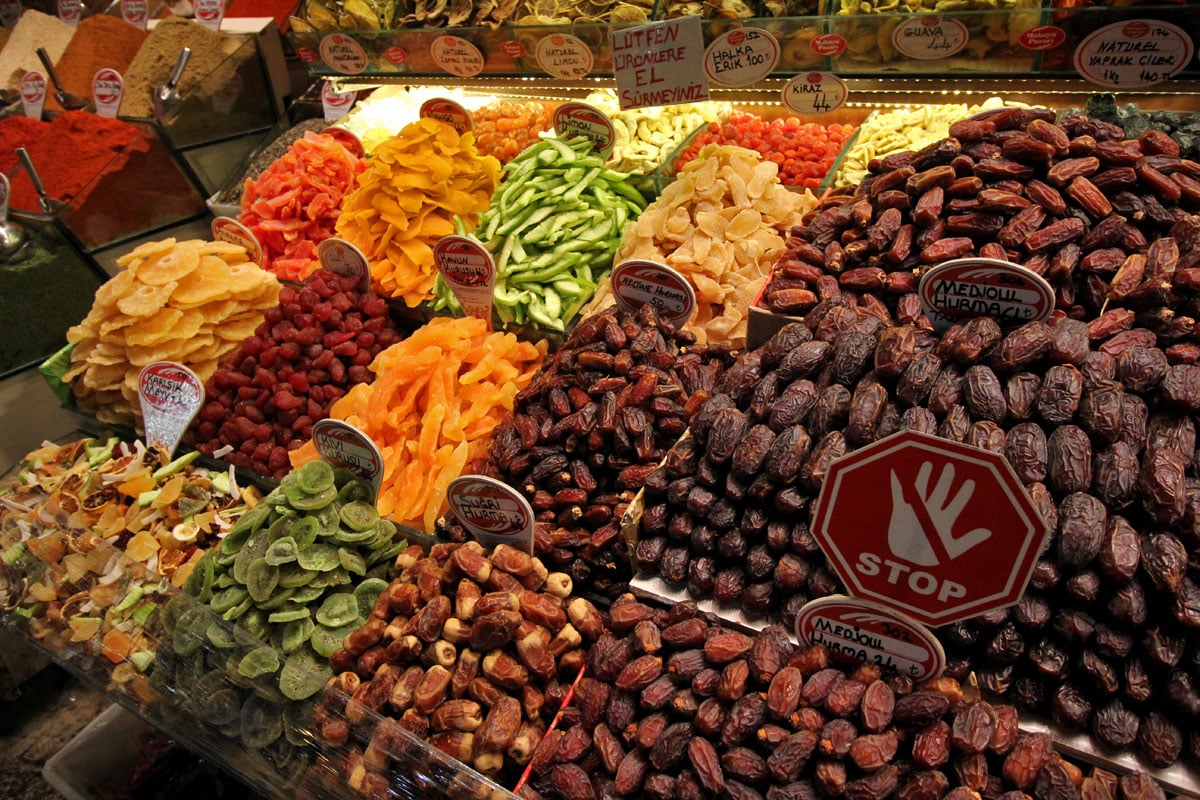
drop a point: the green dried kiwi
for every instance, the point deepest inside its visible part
(335, 577)
(359, 515)
(386, 555)
(281, 527)
(209, 682)
(220, 636)
(344, 535)
(189, 631)
(255, 625)
(338, 609)
(314, 476)
(292, 576)
(247, 523)
(225, 559)
(221, 707)
(262, 722)
(303, 501)
(303, 674)
(325, 518)
(199, 583)
(259, 661)
(297, 722)
(306, 594)
(254, 549)
(281, 596)
(326, 641)
(289, 613)
(320, 556)
(384, 536)
(189, 669)
(225, 599)
(295, 634)
(174, 609)
(366, 593)
(237, 611)
(305, 531)
(267, 687)
(383, 572)
(224, 580)
(261, 579)
(352, 561)
(192, 500)
(232, 664)
(356, 489)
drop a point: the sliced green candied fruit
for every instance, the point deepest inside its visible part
(314, 477)
(262, 722)
(259, 661)
(321, 557)
(355, 490)
(304, 674)
(338, 609)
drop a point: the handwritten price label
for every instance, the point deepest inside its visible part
(741, 57)
(343, 54)
(930, 37)
(814, 93)
(1134, 53)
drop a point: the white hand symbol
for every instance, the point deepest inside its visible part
(908, 536)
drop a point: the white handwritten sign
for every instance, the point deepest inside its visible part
(741, 57)
(929, 37)
(1138, 52)
(814, 93)
(660, 64)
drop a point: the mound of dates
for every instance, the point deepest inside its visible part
(674, 706)
(593, 423)
(1074, 201)
(469, 649)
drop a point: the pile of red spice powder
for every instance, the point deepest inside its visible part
(69, 153)
(101, 41)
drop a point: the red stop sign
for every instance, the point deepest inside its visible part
(938, 530)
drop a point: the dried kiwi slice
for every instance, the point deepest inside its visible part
(280, 596)
(306, 594)
(253, 627)
(352, 561)
(326, 641)
(290, 613)
(307, 502)
(190, 630)
(293, 635)
(199, 583)
(355, 490)
(303, 674)
(221, 707)
(261, 580)
(249, 522)
(220, 636)
(366, 593)
(226, 599)
(237, 611)
(258, 662)
(254, 549)
(306, 530)
(313, 477)
(338, 609)
(321, 557)
(359, 515)
(262, 722)
(292, 576)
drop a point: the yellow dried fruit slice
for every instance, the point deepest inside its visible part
(167, 267)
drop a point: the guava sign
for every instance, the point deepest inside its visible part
(953, 534)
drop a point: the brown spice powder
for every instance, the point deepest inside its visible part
(152, 65)
(100, 42)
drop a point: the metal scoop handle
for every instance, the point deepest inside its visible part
(49, 65)
(177, 70)
(47, 203)
(66, 99)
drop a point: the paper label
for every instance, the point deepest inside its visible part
(335, 104)
(971, 287)
(134, 12)
(10, 13)
(828, 44)
(446, 110)
(1043, 37)
(346, 447)
(660, 63)
(564, 56)
(929, 37)
(814, 93)
(69, 11)
(209, 13)
(573, 119)
(343, 54)
(932, 528)
(346, 139)
(33, 93)
(107, 88)
(342, 258)
(5, 194)
(307, 55)
(741, 57)
(494, 512)
(512, 48)
(396, 55)
(228, 229)
(457, 56)
(170, 395)
(636, 283)
(1134, 53)
(858, 631)
(470, 272)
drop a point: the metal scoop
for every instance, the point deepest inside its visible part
(13, 235)
(69, 101)
(47, 203)
(166, 97)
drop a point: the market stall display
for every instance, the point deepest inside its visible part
(646, 137)
(267, 155)
(100, 42)
(32, 31)
(506, 128)
(152, 65)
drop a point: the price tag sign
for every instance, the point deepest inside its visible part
(564, 56)
(741, 57)
(467, 267)
(814, 93)
(1043, 37)
(494, 512)
(573, 119)
(170, 395)
(1139, 52)
(134, 12)
(346, 447)
(33, 93)
(971, 287)
(107, 88)
(228, 229)
(660, 63)
(342, 258)
(209, 13)
(929, 37)
(10, 13)
(69, 10)
(446, 110)
(636, 283)
(457, 56)
(858, 631)
(347, 140)
(343, 54)
(335, 104)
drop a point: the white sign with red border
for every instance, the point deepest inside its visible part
(741, 57)
(10, 13)
(107, 89)
(170, 395)
(636, 283)
(660, 63)
(343, 54)
(343, 258)
(971, 287)
(457, 56)
(346, 447)
(33, 93)
(573, 119)
(468, 268)
(947, 533)
(209, 13)
(860, 631)
(335, 104)
(494, 512)
(928, 37)
(228, 229)
(69, 11)
(134, 12)
(564, 56)
(1138, 52)
(1043, 37)
(814, 93)
(448, 111)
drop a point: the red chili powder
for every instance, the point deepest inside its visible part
(101, 41)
